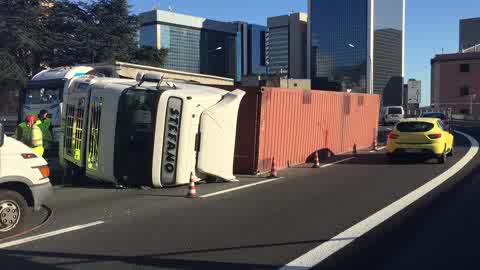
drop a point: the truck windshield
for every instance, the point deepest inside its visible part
(48, 92)
(42, 95)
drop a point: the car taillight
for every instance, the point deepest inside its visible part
(393, 136)
(28, 155)
(45, 171)
(435, 136)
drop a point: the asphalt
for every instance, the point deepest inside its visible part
(439, 232)
(260, 227)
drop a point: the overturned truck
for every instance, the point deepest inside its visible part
(148, 131)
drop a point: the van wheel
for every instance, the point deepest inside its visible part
(13, 212)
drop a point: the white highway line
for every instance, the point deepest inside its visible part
(265, 181)
(49, 234)
(336, 162)
(240, 187)
(378, 149)
(325, 250)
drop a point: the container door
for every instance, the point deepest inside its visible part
(134, 137)
(218, 127)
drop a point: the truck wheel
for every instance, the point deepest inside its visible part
(13, 212)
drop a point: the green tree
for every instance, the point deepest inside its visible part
(24, 32)
(150, 56)
(114, 37)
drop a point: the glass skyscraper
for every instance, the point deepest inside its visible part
(194, 44)
(199, 45)
(358, 46)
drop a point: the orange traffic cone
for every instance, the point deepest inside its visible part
(355, 150)
(317, 161)
(192, 191)
(273, 171)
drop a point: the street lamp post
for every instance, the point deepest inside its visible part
(370, 64)
(209, 52)
(472, 97)
(216, 49)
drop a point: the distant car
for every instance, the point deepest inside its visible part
(426, 137)
(438, 115)
(392, 114)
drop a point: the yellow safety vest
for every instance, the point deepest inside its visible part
(33, 138)
(45, 127)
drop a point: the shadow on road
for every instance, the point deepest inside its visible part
(15, 259)
(381, 159)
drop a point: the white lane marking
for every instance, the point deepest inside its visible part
(49, 234)
(265, 181)
(325, 250)
(336, 162)
(240, 187)
(378, 149)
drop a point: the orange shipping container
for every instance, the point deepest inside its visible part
(291, 125)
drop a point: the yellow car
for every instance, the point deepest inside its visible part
(426, 137)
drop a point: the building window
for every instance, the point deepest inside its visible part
(465, 111)
(464, 67)
(262, 48)
(464, 91)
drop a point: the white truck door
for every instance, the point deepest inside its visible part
(218, 127)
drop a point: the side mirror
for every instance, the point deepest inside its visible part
(2, 135)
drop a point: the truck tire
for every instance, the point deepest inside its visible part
(14, 212)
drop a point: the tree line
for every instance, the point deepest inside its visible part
(36, 34)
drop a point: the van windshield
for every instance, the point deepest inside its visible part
(394, 110)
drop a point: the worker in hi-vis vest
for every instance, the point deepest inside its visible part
(31, 135)
(45, 124)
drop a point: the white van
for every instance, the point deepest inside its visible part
(24, 184)
(391, 114)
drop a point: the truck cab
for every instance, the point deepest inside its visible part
(149, 132)
(24, 184)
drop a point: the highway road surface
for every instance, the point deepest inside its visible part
(353, 213)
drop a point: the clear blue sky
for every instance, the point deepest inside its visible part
(430, 24)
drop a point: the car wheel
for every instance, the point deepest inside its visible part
(450, 153)
(443, 158)
(13, 213)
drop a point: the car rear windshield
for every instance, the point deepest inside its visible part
(435, 115)
(414, 126)
(394, 111)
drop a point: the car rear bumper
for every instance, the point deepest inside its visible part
(427, 150)
(422, 153)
